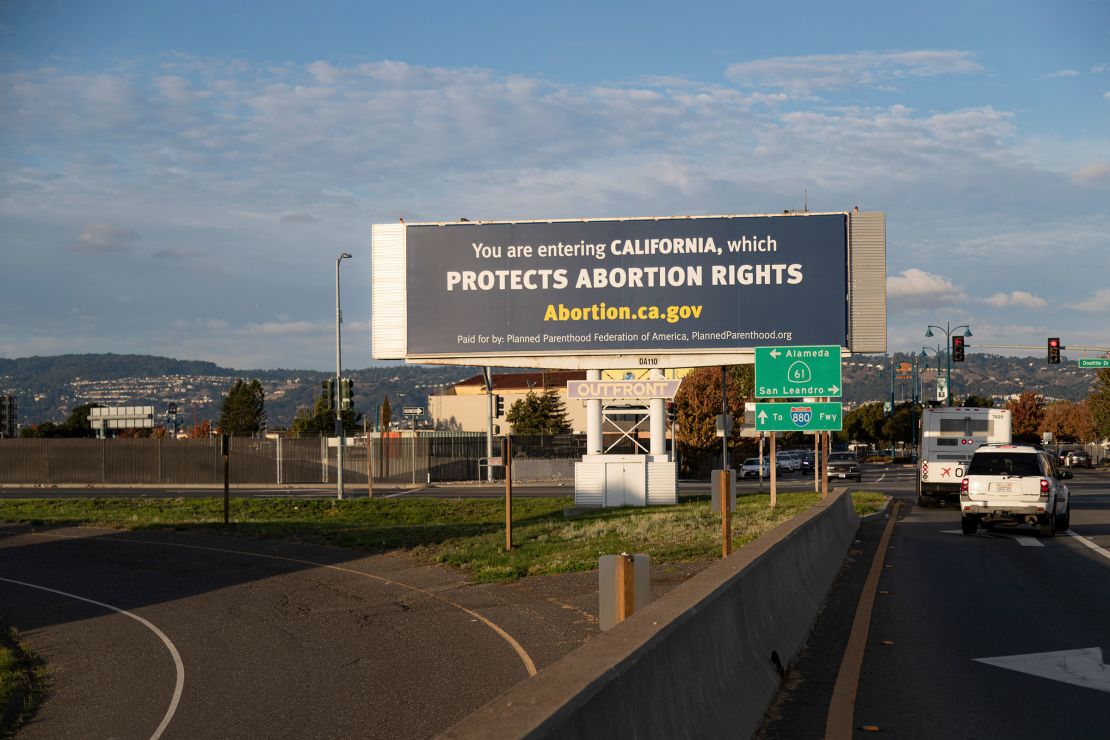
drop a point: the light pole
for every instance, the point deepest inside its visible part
(338, 382)
(925, 358)
(948, 329)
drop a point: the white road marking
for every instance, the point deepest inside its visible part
(180, 666)
(1077, 667)
(1026, 541)
(1100, 550)
(525, 658)
(1023, 540)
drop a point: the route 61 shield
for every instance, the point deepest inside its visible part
(801, 416)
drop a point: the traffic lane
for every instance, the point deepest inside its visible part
(951, 599)
(270, 647)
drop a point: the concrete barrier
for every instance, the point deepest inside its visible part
(703, 661)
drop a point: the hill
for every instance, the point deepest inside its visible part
(48, 387)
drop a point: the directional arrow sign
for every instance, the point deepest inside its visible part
(798, 417)
(1095, 362)
(794, 372)
(1078, 667)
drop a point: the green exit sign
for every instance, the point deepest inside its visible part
(1095, 362)
(799, 417)
(794, 372)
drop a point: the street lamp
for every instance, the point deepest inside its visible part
(338, 381)
(948, 329)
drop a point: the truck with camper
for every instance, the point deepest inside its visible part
(949, 436)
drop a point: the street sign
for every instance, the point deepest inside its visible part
(788, 372)
(413, 411)
(799, 417)
(1095, 362)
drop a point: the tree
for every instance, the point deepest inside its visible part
(77, 425)
(321, 420)
(1028, 410)
(387, 414)
(546, 414)
(865, 424)
(1098, 403)
(243, 412)
(698, 403)
(978, 402)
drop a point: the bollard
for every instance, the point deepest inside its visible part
(624, 587)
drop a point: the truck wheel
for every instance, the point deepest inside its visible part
(1048, 524)
(969, 524)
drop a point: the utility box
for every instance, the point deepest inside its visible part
(715, 487)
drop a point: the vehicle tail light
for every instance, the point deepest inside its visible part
(963, 486)
(1044, 485)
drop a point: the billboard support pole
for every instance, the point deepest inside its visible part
(593, 419)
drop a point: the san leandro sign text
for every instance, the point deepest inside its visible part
(794, 372)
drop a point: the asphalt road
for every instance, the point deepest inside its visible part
(948, 602)
(210, 636)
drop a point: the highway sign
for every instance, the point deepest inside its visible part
(413, 411)
(799, 417)
(793, 372)
(1095, 362)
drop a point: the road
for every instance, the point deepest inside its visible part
(1002, 634)
(210, 636)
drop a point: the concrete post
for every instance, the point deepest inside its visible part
(657, 422)
(594, 438)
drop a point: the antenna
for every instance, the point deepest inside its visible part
(805, 200)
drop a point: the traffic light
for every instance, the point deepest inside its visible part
(672, 412)
(345, 395)
(957, 348)
(1054, 350)
(328, 387)
(499, 406)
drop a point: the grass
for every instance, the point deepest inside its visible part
(19, 685)
(465, 533)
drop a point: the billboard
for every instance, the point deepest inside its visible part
(683, 290)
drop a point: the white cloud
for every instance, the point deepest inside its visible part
(284, 329)
(1015, 298)
(1060, 74)
(1098, 303)
(1091, 173)
(803, 75)
(103, 238)
(1099, 69)
(915, 288)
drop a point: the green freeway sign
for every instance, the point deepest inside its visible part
(799, 417)
(1095, 362)
(793, 372)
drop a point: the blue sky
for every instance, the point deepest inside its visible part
(177, 178)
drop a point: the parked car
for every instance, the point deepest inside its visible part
(1014, 484)
(1078, 459)
(844, 465)
(751, 468)
(789, 461)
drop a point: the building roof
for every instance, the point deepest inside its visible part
(520, 382)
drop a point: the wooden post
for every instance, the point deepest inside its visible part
(626, 582)
(726, 516)
(774, 474)
(817, 462)
(369, 463)
(507, 455)
(225, 444)
(825, 466)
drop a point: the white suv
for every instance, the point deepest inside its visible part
(1014, 484)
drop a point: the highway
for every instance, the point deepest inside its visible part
(998, 635)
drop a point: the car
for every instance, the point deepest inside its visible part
(844, 465)
(789, 461)
(752, 469)
(1078, 459)
(807, 461)
(1014, 484)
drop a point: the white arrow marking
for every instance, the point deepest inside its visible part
(834, 389)
(1078, 667)
(774, 353)
(763, 416)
